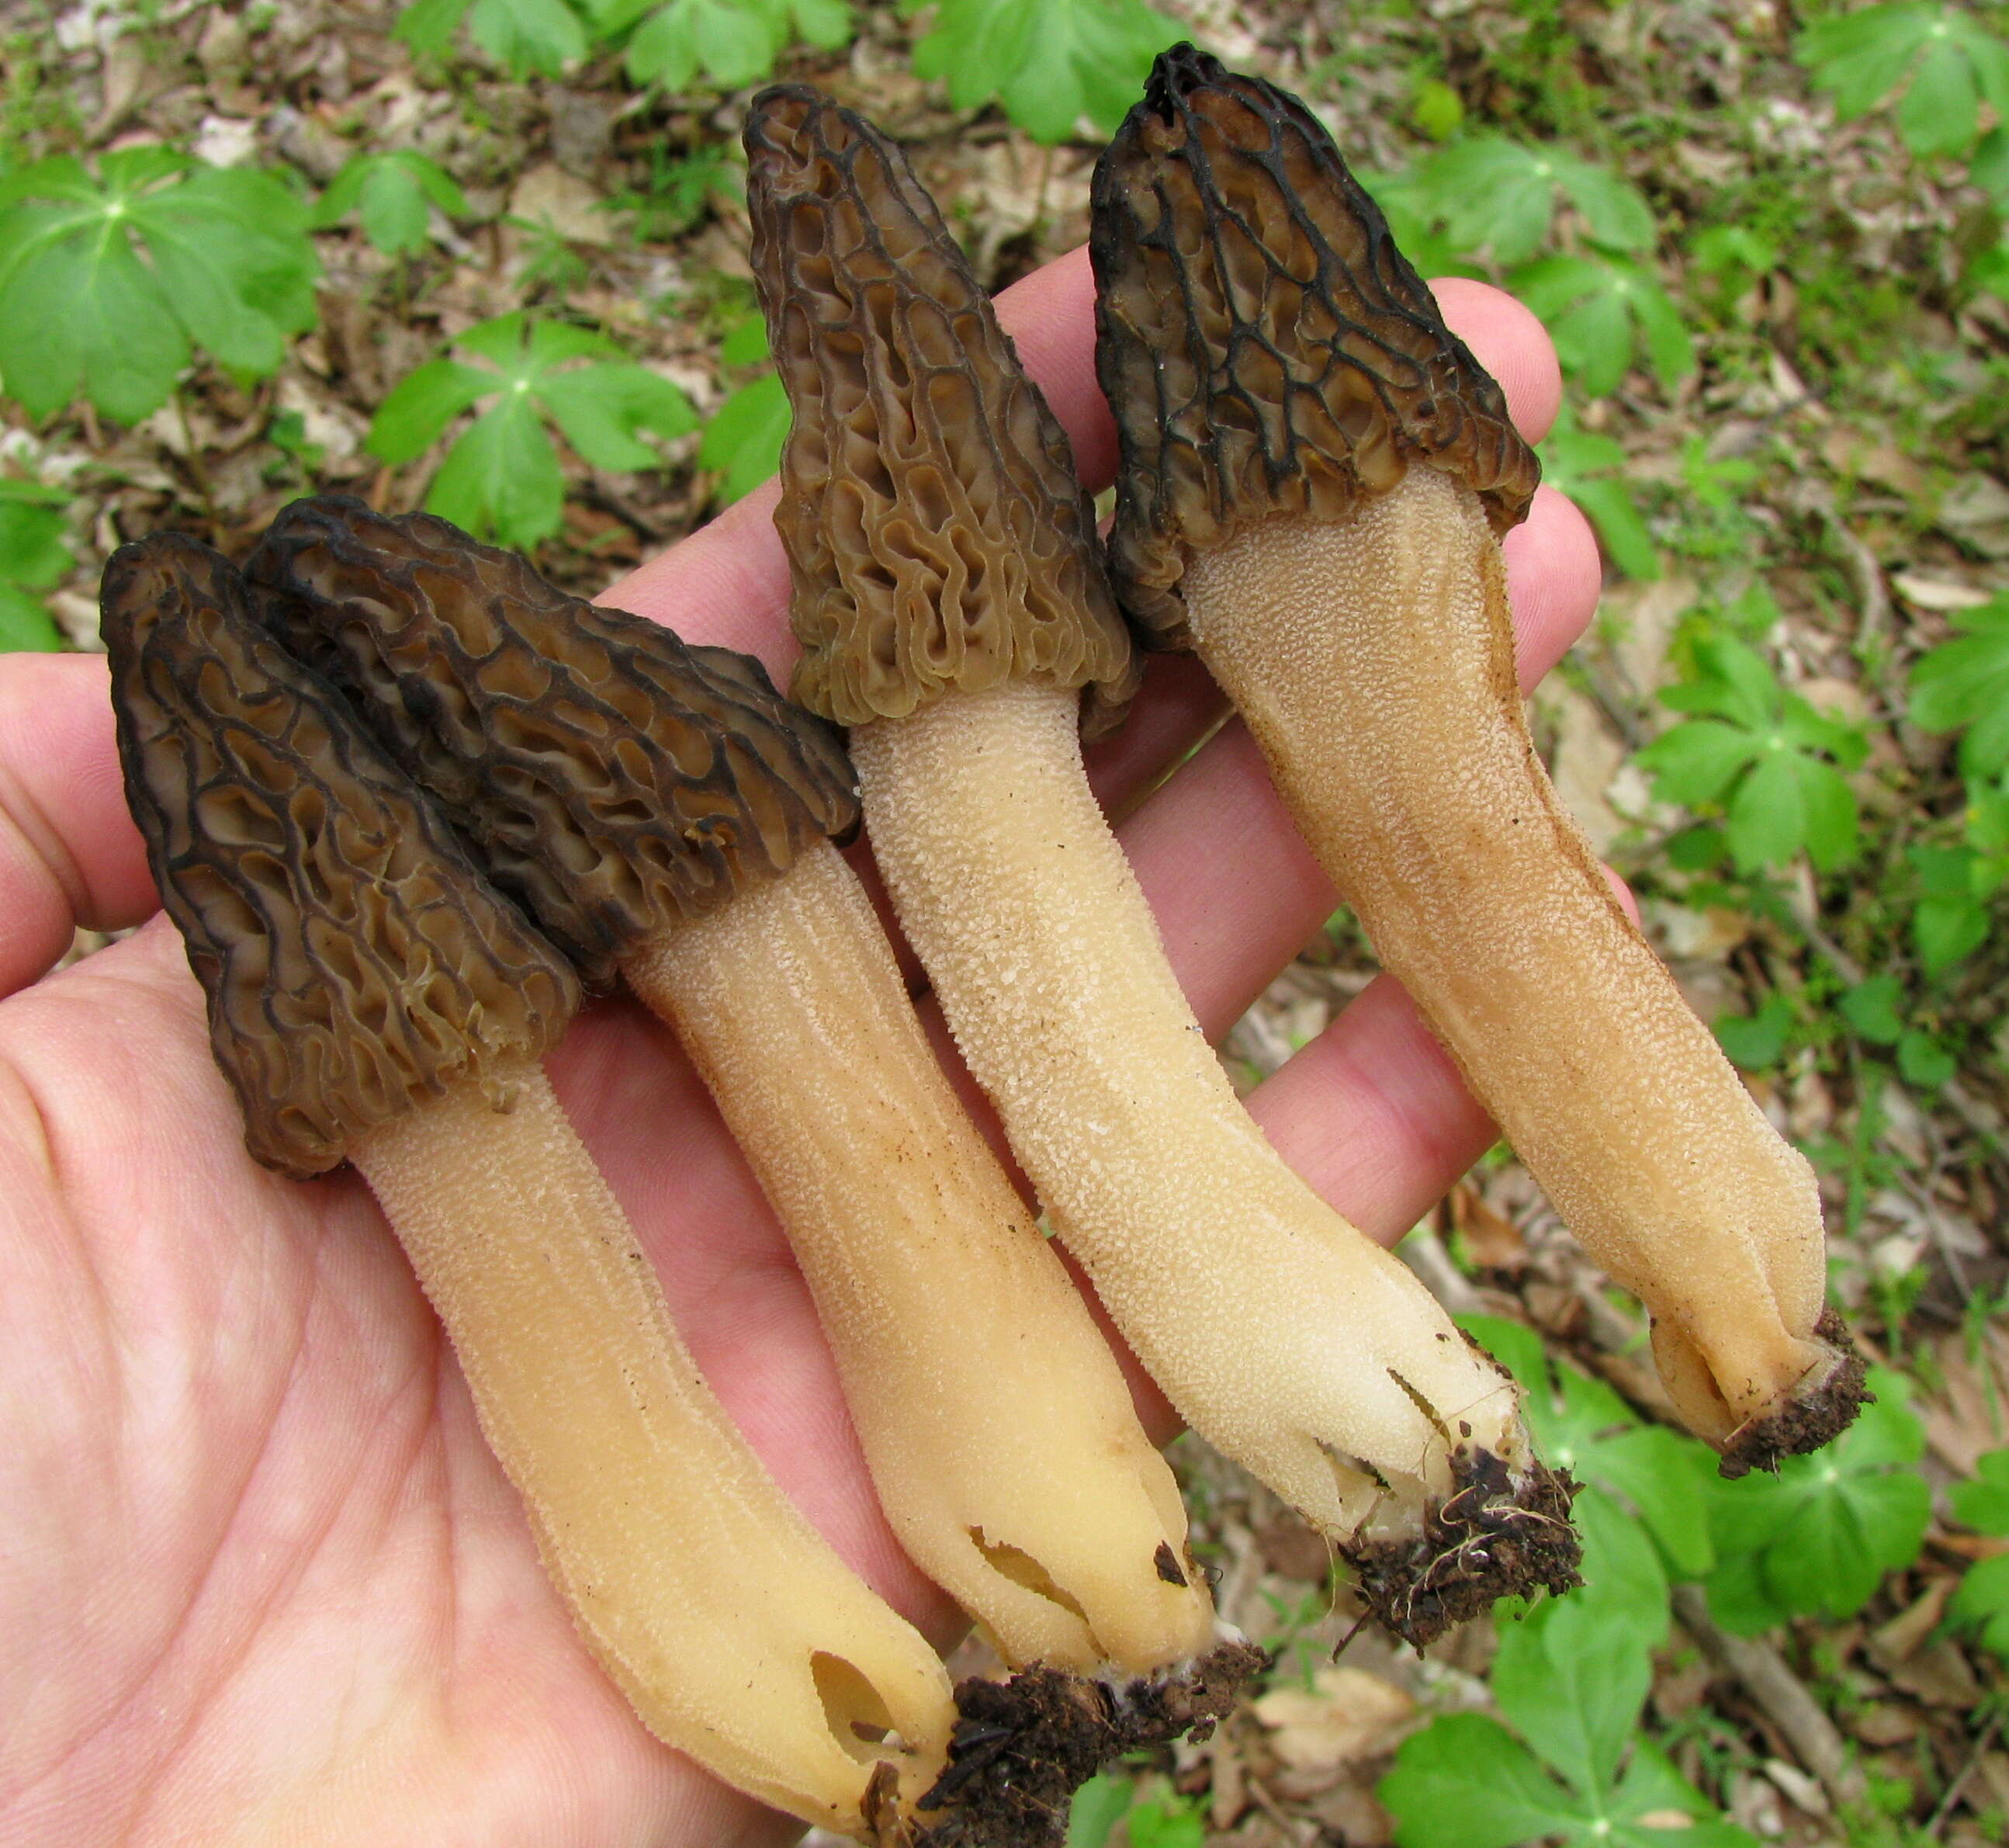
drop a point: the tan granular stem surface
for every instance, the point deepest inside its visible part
(1000, 1431)
(737, 1633)
(1291, 1342)
(1374, 661)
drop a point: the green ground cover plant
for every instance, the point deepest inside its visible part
(109, 280)
(394, 192)
(32, 556)
(501, 476)
(488, 256)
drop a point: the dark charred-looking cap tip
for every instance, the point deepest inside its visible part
(1266, 348)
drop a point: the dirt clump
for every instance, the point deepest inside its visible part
(1024, 1745)
(1807, 1423)
(1492, 1536)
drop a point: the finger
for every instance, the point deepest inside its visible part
(1508, 339)
(1373, 1115)
(69, 854)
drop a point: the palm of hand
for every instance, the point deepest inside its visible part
(259, 1545)
(259, 1574)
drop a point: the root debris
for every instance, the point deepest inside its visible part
(1023, 1747)
(1820, 1410)
(1493, 1534)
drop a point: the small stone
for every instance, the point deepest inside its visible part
(548, 195)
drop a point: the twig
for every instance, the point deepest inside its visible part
(1781, 1696)
(1423, 1252)
(1868, 575)
(1981, 1117)
(1936, 1821)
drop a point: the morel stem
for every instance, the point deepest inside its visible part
(1373, 660)
(724, 1617)
(1016, 1477)
(1291, 1342)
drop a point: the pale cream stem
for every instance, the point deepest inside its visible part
(1000, 1432)
(736, 1632)
(1283, 1335)
(1373, 660)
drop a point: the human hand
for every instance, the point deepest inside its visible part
(259, 1574)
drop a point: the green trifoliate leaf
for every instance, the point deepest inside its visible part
(1581, 1424)
(1571, 1678)
(1987, 166)
(1415, 217)
(1755, 1042)
(1465, 1782)
(745, 436)
(1050, 62)
(1588, 469)
(1499, 196)
(527, 37)
(1983, 1503)
(32, 521)
(1598, 310)
(1099, 1805)
(1964, 682)
(1950, 921)
(25, 626)
(32, 556)
(1156, 1823)
(428, 25)
(1981, 1602)
(107, 281)
(1871, 1007)
(502, 477)
(1818, 1537)
(1937, 59)
(600, 408)
(393, 194)
(1924, 1060)
(1765, 755)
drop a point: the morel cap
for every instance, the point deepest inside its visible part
(938, 539)
(1266, 348)
(613, 779)
(354, 960)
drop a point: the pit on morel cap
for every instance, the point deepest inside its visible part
(1001, 1433)
(1285, 1337)
(1314, 475)
(370, 995)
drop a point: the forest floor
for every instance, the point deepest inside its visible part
(1825, 483)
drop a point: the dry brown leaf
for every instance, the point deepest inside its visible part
(1345, 1715)
(1937, 593)
(1492, 1239)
